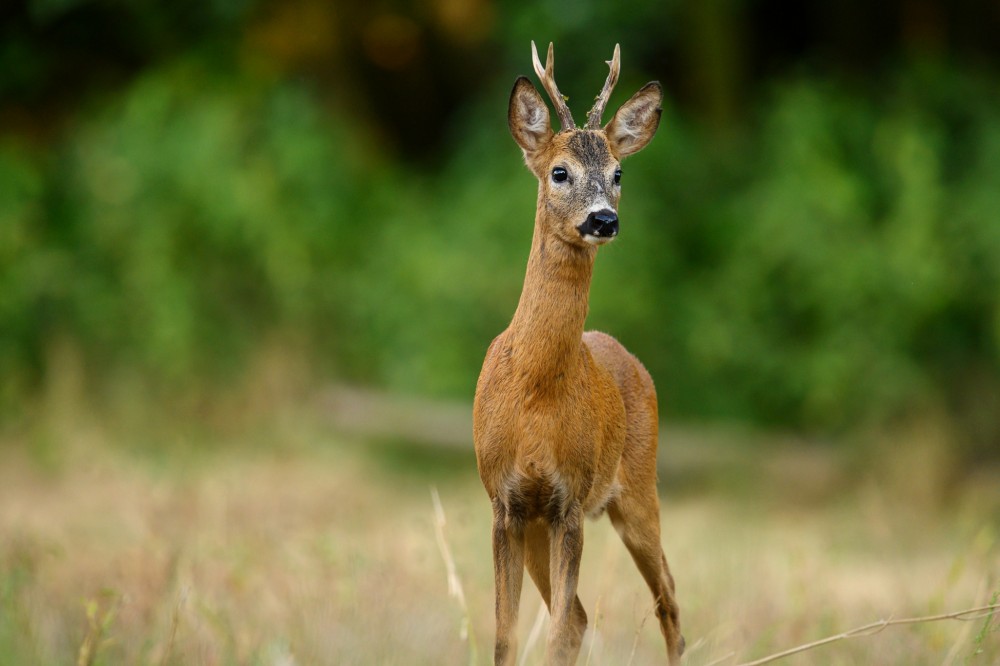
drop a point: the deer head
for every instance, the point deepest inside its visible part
(579, 170)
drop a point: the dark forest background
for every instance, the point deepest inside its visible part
(811, 243)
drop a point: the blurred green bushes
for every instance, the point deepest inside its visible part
(179, 225)
(834, 264)
(849, 273)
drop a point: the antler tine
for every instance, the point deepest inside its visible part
(549, 83)
(594, 117)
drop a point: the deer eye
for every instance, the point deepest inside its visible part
(559, 175)
(618, 176)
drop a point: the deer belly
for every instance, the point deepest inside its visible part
(599, 501)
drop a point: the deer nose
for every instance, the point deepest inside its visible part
(601, 224)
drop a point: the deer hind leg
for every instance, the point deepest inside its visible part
(637, 520)
(568, 617)
(508, 566)
(537, 560)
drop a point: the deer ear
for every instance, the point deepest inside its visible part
(636, 121)
(528, 118)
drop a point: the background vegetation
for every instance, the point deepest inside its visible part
(812, 241)
(213, 212)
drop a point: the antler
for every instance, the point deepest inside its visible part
(549, 83)
(594, 117)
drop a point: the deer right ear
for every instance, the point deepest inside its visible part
(636, 121)
(528, 118)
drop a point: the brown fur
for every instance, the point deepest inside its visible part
(565, 422)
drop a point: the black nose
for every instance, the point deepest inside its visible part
(602, 224)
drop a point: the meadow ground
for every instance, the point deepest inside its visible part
(288, 543)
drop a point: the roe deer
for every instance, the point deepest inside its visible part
(565, 422)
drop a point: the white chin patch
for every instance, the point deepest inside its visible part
(598, 240)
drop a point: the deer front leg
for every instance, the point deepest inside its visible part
(536, 561)
(508, 566)
(568, 621)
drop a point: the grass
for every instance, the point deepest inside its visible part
(281, 542)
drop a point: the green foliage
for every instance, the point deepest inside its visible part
(848, 288)
(835, 267)
(835, 263)
(181, 225)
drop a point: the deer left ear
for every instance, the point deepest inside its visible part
(528, 118)
(636, 121)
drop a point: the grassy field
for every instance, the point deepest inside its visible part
(284, 542)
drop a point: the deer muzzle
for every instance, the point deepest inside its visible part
(600, 227)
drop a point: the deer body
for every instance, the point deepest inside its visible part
(540, 378)
(565, 422)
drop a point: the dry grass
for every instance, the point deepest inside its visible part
(289, 545)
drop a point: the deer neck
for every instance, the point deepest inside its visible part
(547, 327)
